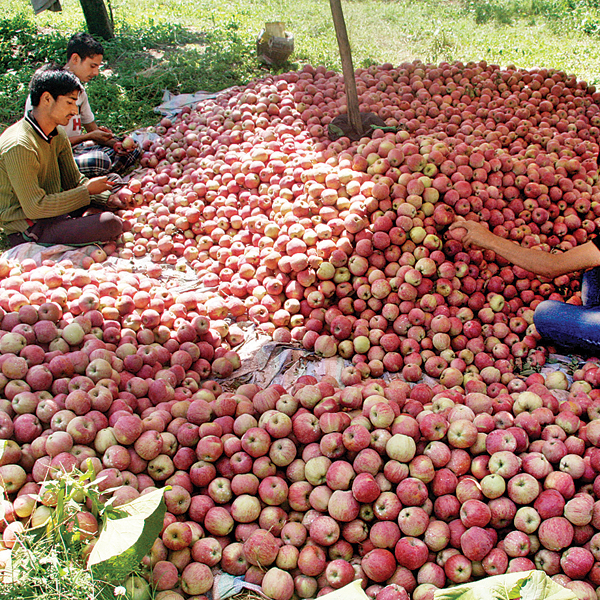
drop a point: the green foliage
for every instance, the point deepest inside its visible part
(46, 573)
(22, 51)
(127, 538)
(506, 11)
(151, 35)
(13, 91)
(562, 15)
(491, 11)
(47, 561)
(141, 63)
(21, 45)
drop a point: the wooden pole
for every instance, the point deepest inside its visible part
(347, 67)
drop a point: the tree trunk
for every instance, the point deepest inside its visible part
(96, 18)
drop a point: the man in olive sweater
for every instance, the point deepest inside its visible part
(43, 196)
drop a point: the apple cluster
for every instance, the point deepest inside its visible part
(343, 246)
(411, 488)
(85, 357)
(54, 308)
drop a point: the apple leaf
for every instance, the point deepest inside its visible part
(352, 591)
(3, 444)
(124, 541)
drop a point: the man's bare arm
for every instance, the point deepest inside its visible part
(99, 135)
(541, 263)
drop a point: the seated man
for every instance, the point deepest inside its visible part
(42, 193)
(97, 151)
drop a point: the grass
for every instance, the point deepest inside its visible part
(140, 64)
(191, 45)
(48, 560)
(47, 572)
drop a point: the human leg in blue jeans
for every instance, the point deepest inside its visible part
(573, 326)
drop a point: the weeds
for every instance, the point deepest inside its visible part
(51, 559)
(22, 50)
(47, 561)
(485, 12)
(442, 46)
(505, 12)
(565, 15)
(48, 572)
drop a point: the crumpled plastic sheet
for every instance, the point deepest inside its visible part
(141, 136)
(185, 279)
(31, 250)
(226, 585)
(265, 363)
(172, 104)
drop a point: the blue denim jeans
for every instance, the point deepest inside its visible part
(570, 326)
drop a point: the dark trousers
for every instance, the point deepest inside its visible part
(71, 230)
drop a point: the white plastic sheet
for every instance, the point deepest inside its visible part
(226, 585)
(38, 253)
(173, 103)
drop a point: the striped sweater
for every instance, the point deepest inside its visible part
(39, 178)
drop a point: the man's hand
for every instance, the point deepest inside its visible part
(97, 185)
(472, 233)
(101, 136)
(125, 146)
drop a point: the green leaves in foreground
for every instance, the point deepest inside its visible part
(124, 541)
(49, 561)
(530, 585)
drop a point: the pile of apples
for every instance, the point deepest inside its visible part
(343, 246)
(409, 487)
(69, 305)
(89, 361)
